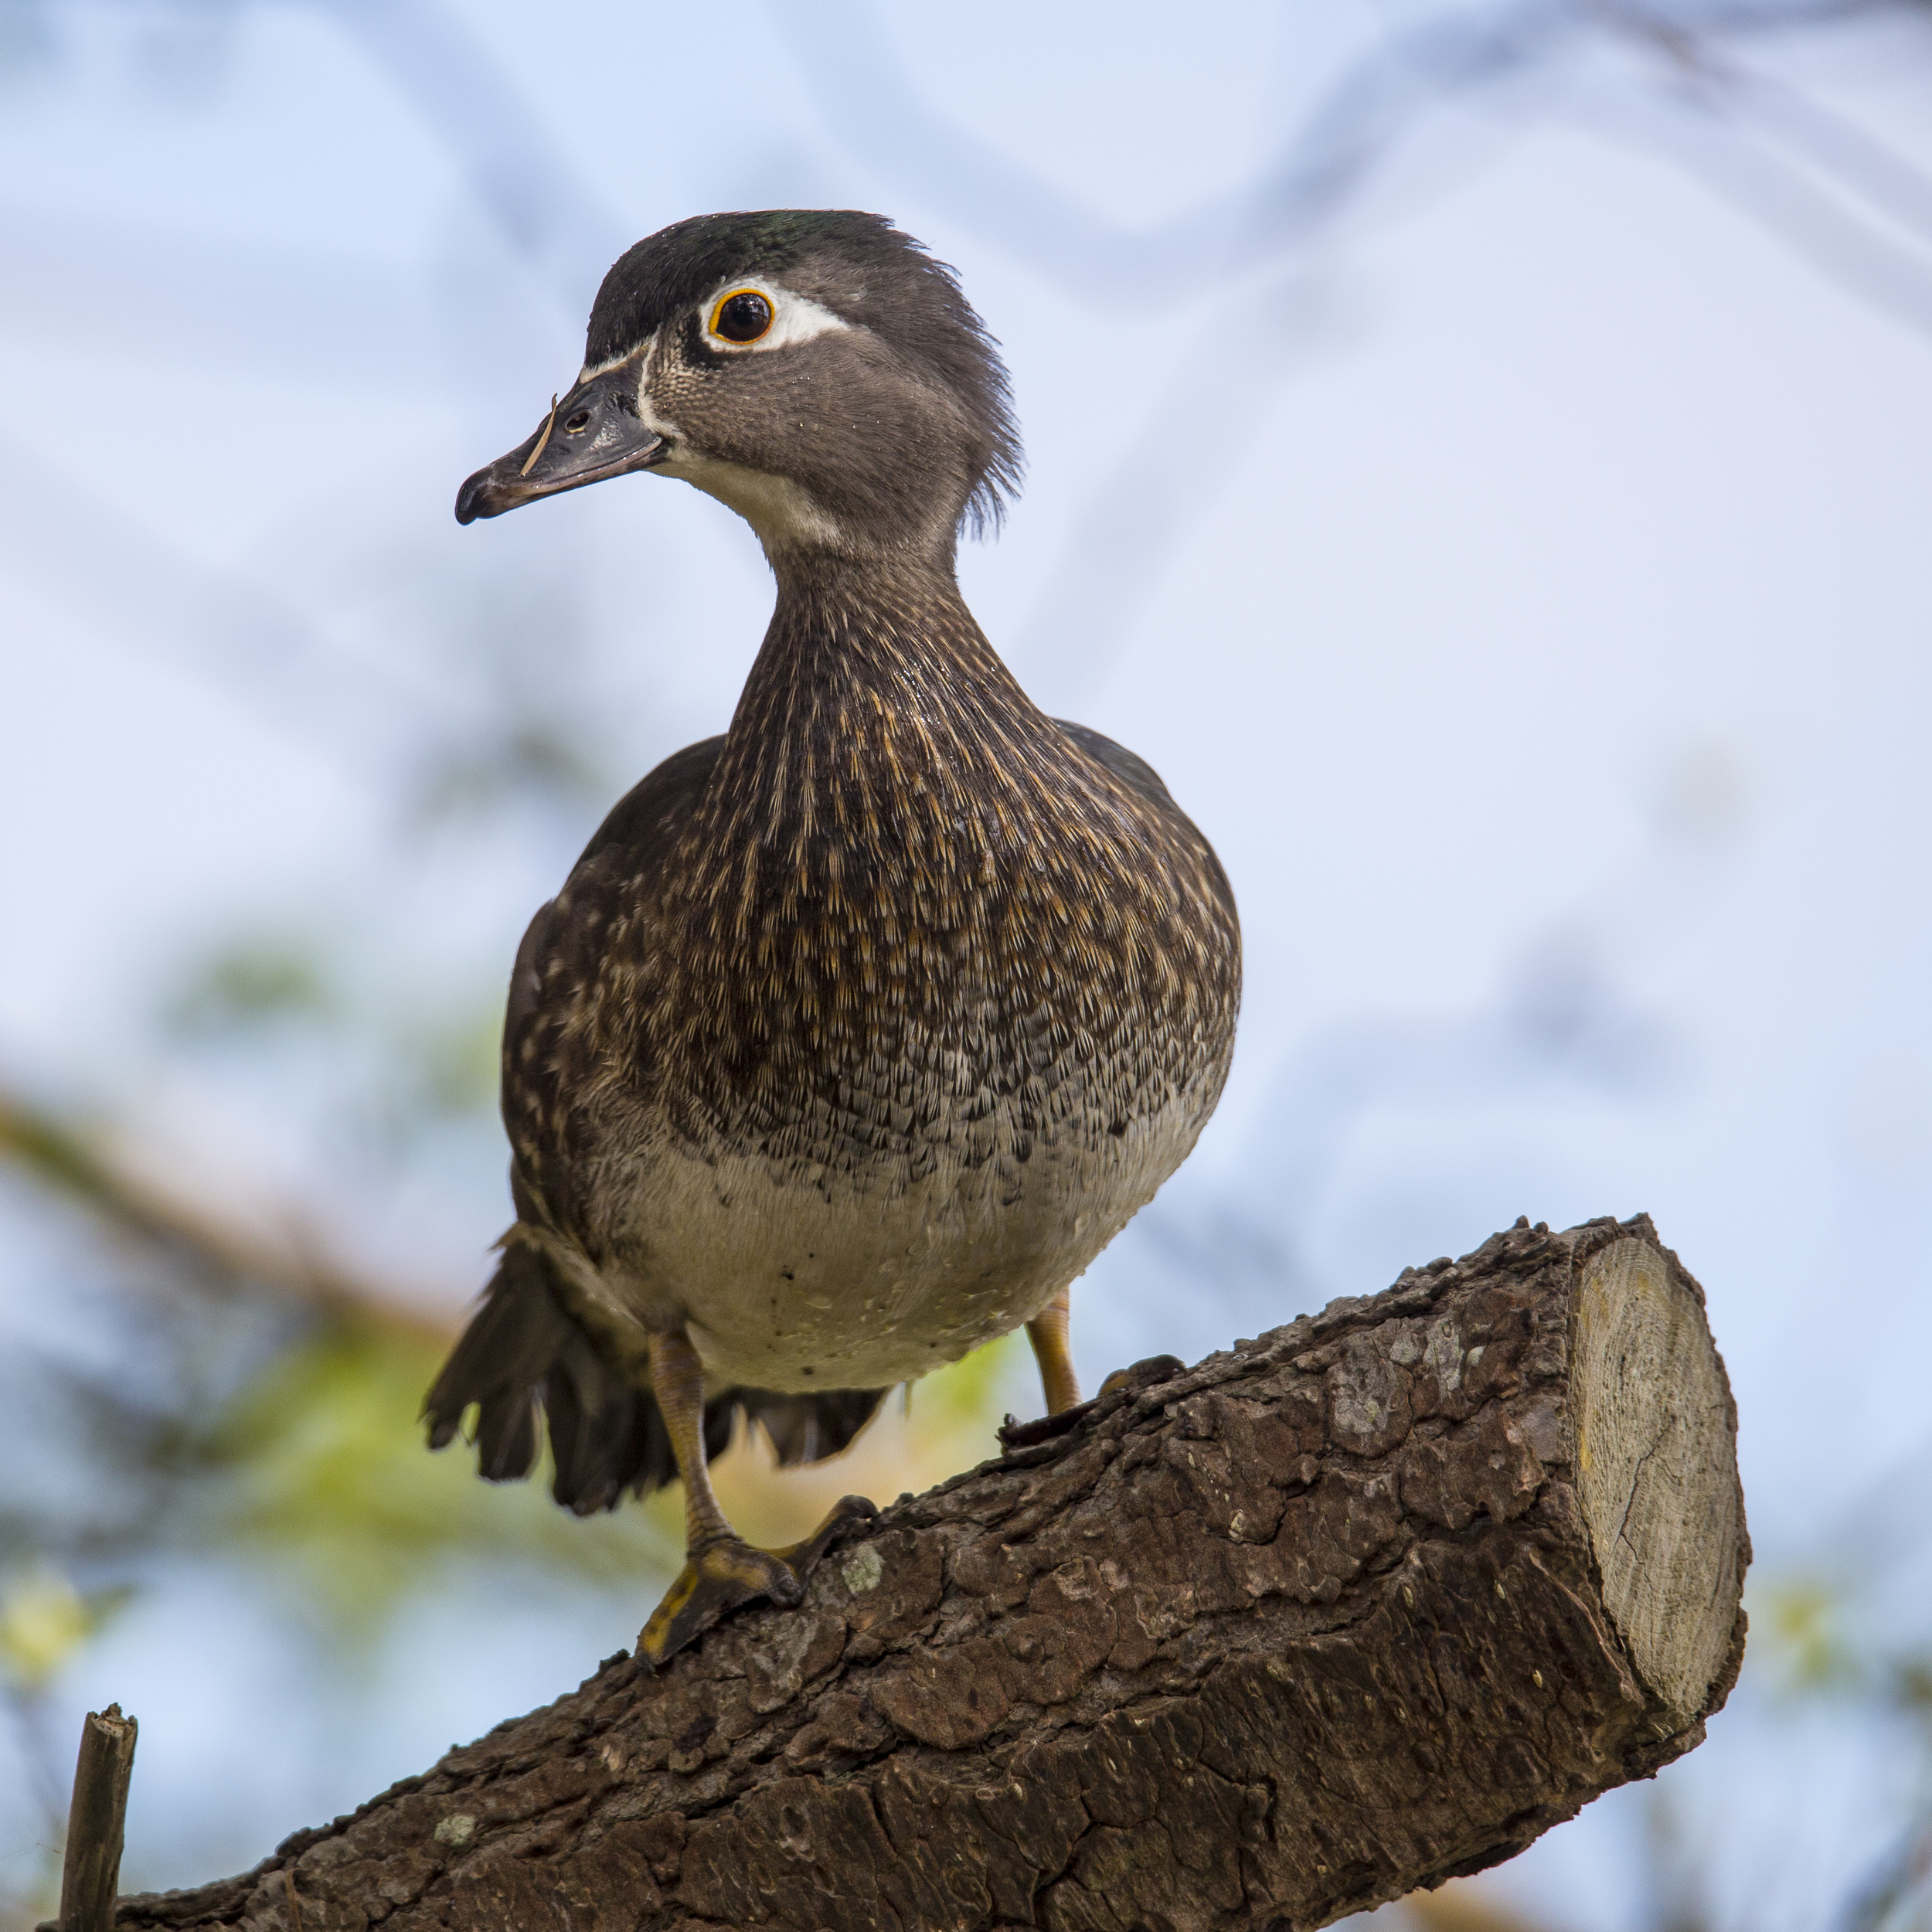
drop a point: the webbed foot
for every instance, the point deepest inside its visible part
(722, 1574)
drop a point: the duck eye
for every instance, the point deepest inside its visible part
(742, 317)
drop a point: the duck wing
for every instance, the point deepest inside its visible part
(527, 1357)
(1128, 767)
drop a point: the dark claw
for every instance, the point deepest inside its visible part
(1147, 1374)
(719, 1577)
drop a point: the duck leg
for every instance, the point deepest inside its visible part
(1047, 1331)
(721, 1570)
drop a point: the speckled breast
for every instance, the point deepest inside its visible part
(919, 1005)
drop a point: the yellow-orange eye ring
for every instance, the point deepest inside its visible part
(742, 316)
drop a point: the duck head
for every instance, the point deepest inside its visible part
(816, 370)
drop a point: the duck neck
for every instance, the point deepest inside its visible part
(876, 649)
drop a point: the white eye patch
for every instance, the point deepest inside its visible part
(794, 318)
(733, 307)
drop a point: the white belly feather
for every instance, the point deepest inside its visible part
(789, 1281)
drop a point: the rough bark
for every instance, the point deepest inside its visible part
(1356, 1607)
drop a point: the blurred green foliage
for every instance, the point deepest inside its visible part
(322, 1477)
(392, 1064)
(532, 756)
(971, 1393)
(44, 1620)
(250, 983)
(1810, 1631)
(445, 1069)
(1799, 1622)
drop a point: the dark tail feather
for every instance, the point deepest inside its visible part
(805, 1428)
(501, 1357)
(523, 1357)
(524, 1354)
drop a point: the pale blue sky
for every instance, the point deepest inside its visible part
(1527, 583)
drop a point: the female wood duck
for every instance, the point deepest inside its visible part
(857, 1032)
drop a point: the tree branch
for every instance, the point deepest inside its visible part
(279, 1253)
(1362, 1606)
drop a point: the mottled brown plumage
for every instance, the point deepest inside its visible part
(857, 1032)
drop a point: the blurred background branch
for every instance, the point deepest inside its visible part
(272, 1253)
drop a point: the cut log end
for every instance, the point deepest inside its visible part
(1656, 1458)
